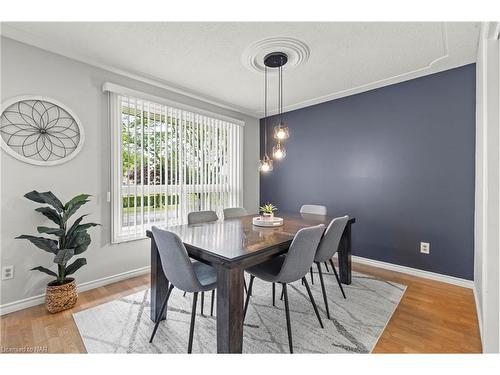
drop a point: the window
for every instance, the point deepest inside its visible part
(167, 161)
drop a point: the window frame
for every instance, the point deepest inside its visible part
(114, 109)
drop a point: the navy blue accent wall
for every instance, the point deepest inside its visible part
(398, 158)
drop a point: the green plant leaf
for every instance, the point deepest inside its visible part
(75, 200)
(83, 243)
(55, 231)
(76, 227)
(50, 213)
(44, 270)
(73, 267)
(74, 204)
(47, 244)
(46, 197)
(76, 239)
(63, 256)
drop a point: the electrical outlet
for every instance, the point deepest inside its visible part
(425, 247)
(7, 272)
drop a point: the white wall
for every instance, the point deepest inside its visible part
(28, 70)
(487, 224)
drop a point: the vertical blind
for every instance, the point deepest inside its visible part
(168, 162)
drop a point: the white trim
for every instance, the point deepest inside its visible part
(35, 40)
(125, 91)
(116, 165)
(40, 299)
(6, 104)
(412, 74)
(416, 272)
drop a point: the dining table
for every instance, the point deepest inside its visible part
(231, 246)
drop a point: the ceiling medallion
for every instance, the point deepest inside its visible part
(296, 51)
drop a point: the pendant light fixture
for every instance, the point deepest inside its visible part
(275, 60)
(266, 164)
(281, 130)
(279, 151)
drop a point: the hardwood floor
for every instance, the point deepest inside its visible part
(432, 317)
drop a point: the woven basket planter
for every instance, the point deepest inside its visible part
(61, 297)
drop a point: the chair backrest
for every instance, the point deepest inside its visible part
(301, 253)
(175, 261)
(202, 217)
(313, 209)
(330, 241)
(233, 212)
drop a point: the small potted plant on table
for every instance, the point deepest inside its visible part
(268, 211)
(71, 240)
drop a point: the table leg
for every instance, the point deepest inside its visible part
(344, 254)
(229, 310)
(159, 284)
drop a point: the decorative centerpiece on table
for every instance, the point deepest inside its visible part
(72, 240)
(267, 218)
(268, 211)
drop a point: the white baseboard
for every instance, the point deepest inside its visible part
(40, 299)
(415, 272)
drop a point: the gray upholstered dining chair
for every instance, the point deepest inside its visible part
(198, 217)
(327, 249)
(313, 209)
(193, 277)
(290, 267)
(230, 213)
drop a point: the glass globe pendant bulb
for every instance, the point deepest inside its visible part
(279, 151)
(281, 132)
(266, 164)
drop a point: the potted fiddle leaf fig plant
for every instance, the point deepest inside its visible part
(268, 210)
(70, 240)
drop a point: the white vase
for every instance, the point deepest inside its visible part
(268, 216)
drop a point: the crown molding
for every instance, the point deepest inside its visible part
(11, 32)
(430, 68)
(434, 66)
(490, 30)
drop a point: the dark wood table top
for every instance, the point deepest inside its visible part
(237, 240)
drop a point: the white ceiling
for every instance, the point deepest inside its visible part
(205, 60)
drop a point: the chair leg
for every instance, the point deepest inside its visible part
(326, 265)
(313, 303)
(312, 279)
(184, 295)
(281, 298)
(323, 290)
(337, 277)
(288, 323)
(202, 301)
(249, 293)
(163, 307)
(274, 294)
(191, 326)
(212, 304)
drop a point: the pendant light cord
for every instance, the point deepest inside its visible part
(265, 111)
(281, 95)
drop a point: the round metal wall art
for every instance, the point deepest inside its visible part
(40, 130)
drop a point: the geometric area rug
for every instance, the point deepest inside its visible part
(123, 325)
